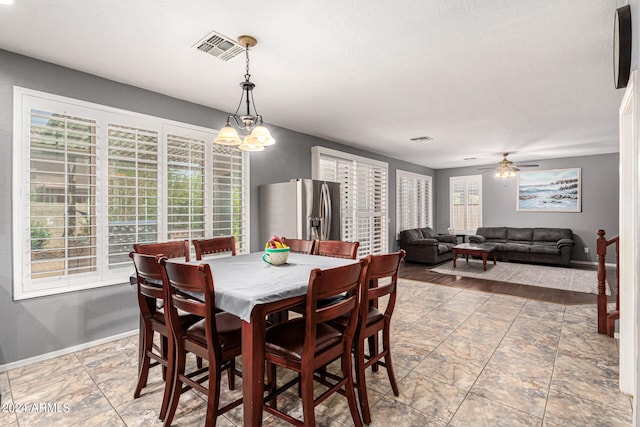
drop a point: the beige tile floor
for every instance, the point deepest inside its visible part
(462, 358)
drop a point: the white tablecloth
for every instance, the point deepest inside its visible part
(243, 281)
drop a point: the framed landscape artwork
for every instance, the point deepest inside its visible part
(556, 190)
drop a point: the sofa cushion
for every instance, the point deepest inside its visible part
(551, 234)
(521, 242)
(516, 247)
(544, 249)
(427, 232)
(522, 234)
(475, 238)
(564, 242)
(411, 235)
(444, 248)
(425, 242)
(493, 233)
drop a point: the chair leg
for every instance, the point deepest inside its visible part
(164, 345)
(231, 375)
(272, 384)
(143, 369)
(349, 390)
(362, 382)
(308, 407)
(373, 349)
(169, 380)
(180, 356)
(386, 346)
(199, 362)
(213, 396)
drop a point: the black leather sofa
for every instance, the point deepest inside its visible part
(424, 245)
(536, 245)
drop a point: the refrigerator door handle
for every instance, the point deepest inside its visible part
(325, 206)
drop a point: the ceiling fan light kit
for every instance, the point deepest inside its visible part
(259, 136)
(506, 168)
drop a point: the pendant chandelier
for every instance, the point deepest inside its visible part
(258, 135)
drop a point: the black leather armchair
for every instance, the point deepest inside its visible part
(425, 245)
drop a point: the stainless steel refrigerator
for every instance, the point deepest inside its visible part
(300, 209)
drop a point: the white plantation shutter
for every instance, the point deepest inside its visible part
(185, 187)
(363, 200)
(229, 196)
(133, 190)
(62, 197)
(465, 203)
(413, 199)
(90, 181)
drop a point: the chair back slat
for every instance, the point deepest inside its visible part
(215, 246)
(176, 249)
(380, 267)
(337, 309)
(149, 282)
(337, 249)
(189, 305)
(300, 246)
(181, 279)
(333, 282)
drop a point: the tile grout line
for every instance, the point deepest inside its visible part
(75, 354)
(487, 362)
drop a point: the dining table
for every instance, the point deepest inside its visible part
(252, 289)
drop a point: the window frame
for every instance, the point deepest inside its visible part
(465, 180)
(428, 180)
(24, 101)
(317, 152)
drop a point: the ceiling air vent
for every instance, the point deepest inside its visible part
(219, 46)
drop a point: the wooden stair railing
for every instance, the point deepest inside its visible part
(607, 320)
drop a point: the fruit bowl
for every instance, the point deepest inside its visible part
(276, 256)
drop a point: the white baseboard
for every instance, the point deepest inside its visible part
(62, 352)
(607, 264)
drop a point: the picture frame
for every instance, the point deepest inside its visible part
(553, 190)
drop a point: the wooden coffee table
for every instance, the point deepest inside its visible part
(475, 249)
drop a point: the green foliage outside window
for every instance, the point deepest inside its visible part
(39, 235)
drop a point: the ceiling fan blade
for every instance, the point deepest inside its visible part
(486, 169)
(528, 166)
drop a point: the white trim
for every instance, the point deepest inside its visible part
(26, 99)
(67, 350)
(629, 125)
(429, 179)
(465, 179)
(318, 150)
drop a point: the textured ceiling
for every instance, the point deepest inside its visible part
(481, 77)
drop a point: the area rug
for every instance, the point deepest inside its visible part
(570, 279)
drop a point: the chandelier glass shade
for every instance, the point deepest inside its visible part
(258, 135)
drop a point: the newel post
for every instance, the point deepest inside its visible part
(601, 250)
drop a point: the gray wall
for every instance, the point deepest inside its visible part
(41, 325)
(599, 201)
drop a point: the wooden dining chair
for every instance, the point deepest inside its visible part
(215, 245)
(308, 343)
(337, 248)
(300, 246)
(216, 338)
(151, 296)
(177, 249)
(372, 320)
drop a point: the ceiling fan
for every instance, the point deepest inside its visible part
(506, 168)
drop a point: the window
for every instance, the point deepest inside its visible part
(363, 201)
(89, 181)
(465, 203)
(413, 203)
